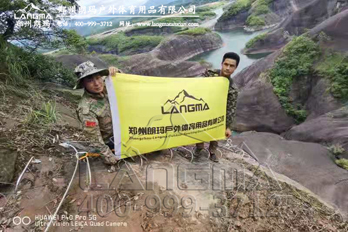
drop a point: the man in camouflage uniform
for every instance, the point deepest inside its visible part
(229, 64)
(94, 110)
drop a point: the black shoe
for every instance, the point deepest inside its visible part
(197, 152)
(213, 157)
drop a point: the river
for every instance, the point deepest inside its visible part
(233, 41)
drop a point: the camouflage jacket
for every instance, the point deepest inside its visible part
(232, 96)
(94, 114)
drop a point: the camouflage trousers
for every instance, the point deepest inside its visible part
(212, 146)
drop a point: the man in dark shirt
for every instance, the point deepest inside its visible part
(229, 64)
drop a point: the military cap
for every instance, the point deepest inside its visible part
(87, 69)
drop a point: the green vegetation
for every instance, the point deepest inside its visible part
(205, 63)
(195, 31)
(295, 62)
(203, 13)
(74, 42)
(261, 9)
(206, 14)
(263, 2)
(143, 30)
(112, 42)
(255, 21)
(46, 115)
(336, 149)
(136, 42)
(334, 66)
(113, 60)
(60, 52)
(212, 7)
(342, 163)
(255, 39)
(92, 41)
(33, 38)
(120, 42)
(170, 20)
(20, 66)
(236, 7)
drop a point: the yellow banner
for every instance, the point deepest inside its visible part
(156, 113)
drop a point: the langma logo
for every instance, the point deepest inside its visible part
(32, 12)
(179, 104)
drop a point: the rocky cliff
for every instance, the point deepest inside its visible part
(104, 50)
(317, 87)
(152, 31)
(258, 107)
(168, 59)
(150, 65)
(336, 29)
(71, 61)
(302, 18)
(183, 47)
(307, 163)
(234, 22)
(331, 128)
(255, 14)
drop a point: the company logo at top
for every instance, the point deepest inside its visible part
(33, 16)
(179, 104)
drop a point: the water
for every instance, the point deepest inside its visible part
(233, 41)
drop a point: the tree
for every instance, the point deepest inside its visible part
(37, 24)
